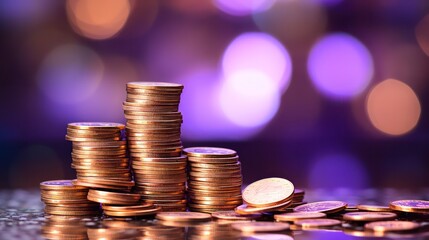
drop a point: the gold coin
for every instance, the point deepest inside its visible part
(181, 159)
(245, 209)
(323, 206)
(267, 192)
(209, 152)
(145, 212)
(73, 213)
(232, 215)
(373, 208)
(164, 86)
(294, 216)
(127, 208)
(391, 226)
(235, 165)
(369, 216)
(183, 216)
(95, 125)
(260, 226)
(415, 206)
(62, 185)
(213, 160)
(123, 196)
(317, 223)
(100, 144)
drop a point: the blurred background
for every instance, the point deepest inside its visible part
(326, 93)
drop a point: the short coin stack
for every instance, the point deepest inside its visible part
(267, 195)
(215, 179)
(61, 197)
(99, 155)
(153, 134)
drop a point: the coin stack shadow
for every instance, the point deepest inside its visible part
(214, 182)
(153, 134)
(99, 155)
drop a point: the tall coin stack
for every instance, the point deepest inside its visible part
(215, 179)
(153, 134)
(99, 155)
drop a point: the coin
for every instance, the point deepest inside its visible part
(209, 152)
(373, 208)
(164, 86)
(391, 226)
(95, 125)
(60, 185)
(183, 216)
(369, 216)
(245, 209)
(268, 192)
(260, 226)
(415, 206)
(317, 223)
(323, 206)
(294, 216)
(232, 215)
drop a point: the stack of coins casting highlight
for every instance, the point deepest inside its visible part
(100, 155)
(153, 134)
(215, 179)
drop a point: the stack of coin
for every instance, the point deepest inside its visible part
(153, 134)
(61, 197)
(298, 196)
(99, 155)
(214, 182)
(267, 195)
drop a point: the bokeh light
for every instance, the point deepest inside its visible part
(393, 107)
(340, 66)
(70, 74)
(249, 98)
(297, 22)
(25, 11)
(330, 171)
(422, 34)
(98, 19)
(260, 52)
(243, 7)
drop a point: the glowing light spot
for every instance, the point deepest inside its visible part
(204, 119)
(98, 19)
(249, 98)
(340, 66)
(70, 74)
(393, 107)
(336, 171)
(422, 34)
(260, 52)
(25, 11)
(295, 22)
(243, 7)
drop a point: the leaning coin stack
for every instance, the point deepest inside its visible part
(99, 155)
(118, 204)
(267, 195)
(153, 134)
(214, 182)
(61, 197)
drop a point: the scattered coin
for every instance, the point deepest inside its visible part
(294, 216)
(369, 216)
(317, 223)
(268, 192)
(414, 206)
(260, 226)
(391, 226)
(183, 216)
(327, 207)
(373, 208)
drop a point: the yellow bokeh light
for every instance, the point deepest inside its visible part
(98, 19)
(393, 107)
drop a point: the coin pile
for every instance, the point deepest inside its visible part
(153, 134)
(267, 195)
(61, 197)
(99, 155)
(214, 182)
